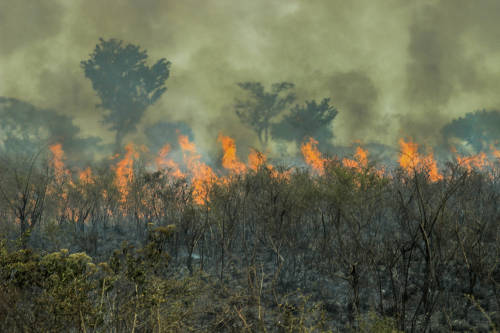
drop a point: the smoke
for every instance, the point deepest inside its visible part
(475, 132)
(27, 129)
(356, 96)
(19, 21)
(449, 42)
(392, 67)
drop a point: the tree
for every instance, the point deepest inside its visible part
(23, 190)
(309, 120)
(262, 106)
(124, 83)
(478, 129)
(26, 128)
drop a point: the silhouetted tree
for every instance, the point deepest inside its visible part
(26, 128)
(262, 106)
(309, 120)
(124, 83)
(478, 129)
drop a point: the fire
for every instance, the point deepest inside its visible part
(229, 159)
(85, 176)
(57, 163)
(124, 172)
(203, 177)
(312, 156)
(283, 175)
(478, 161)
(411, 161)
(186, 145)
(360, 161)
(495, 151)
(162, 162)
(256, 159)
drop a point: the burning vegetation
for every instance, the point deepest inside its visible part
(369, 232)
(172, 239)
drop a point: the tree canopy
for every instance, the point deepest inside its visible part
(478, 129)
(310, 120)
(262, 106)
(125, 84)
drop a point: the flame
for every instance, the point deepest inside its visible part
(478, 161)
(163, 163)
(186, 145)
(229, 159)
(360, 161)
(411, 161)
(312, 156)
(57, 163)
(495, 151)
(256, 159)
(203, 176)
(283, 175)
(124, 172)
(85, 176)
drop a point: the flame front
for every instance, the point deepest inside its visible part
(124, 172)
(256, 159)
(495, 152)
(85, 176)
(312, 156)
(360, 161)
(162, 162)
(478, 161)
(202, 176)
(411, 161)
(57, 163)
(229, 159)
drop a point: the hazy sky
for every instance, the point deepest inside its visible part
(392, 67)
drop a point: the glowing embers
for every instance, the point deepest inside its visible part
(411, 161)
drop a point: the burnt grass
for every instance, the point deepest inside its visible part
(343, 251)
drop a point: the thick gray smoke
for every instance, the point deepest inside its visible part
(392, 68)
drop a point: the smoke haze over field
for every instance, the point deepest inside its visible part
(392, 68)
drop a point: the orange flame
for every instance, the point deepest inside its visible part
(186, 145)
(229, 159)
(411, 161)
(57, 163)
(312, 156)
(85, 176)
(360, 161)
(162, 162)
(202, 175)
(478, 161)
(124, 172)
(495, 151)
(256, 159)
